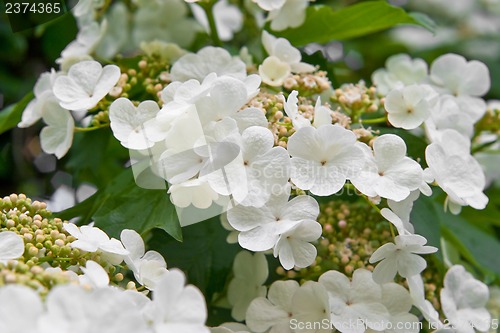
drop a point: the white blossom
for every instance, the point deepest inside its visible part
(228, 19)
(86, 83)
(57, 137)
(21, 309)
(291, 15)
(11, 246)
(400, 71)
(94, 275)
(250, 273)
(310, 305)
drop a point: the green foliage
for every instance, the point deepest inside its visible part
(124, 205)
(11, 115)
(323, 24)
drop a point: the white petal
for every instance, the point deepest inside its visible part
(11, 245)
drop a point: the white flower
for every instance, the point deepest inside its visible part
(94, 275)
(85, 85)
(273, 71)
(11, 246)
(398, 302)
(230, 328)
(92, 239)
(410, 106)
(196, 192)
(260, 228)
(403, 209)
(400, 70)
(228, 19)
(292, 111)
(456, 171)
(291, 15)
(400, 257)
(43, 93)
(310, 305)
(177, 307)
(417, 293)
(463, 300)
(324, 158)
(387, 172)
(351, 302)
(166, 21)
(127, 122)
(293, 247)
(250, 273)
(269, 5)
(274, 311)
(148, 267)
(85, 43)
(322, 114)
(207, 60)
(116, 32)
(21, 308)
(403, 227)
(57, 137)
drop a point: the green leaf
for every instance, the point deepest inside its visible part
(323, 24)
(11, 115)
(124, 205)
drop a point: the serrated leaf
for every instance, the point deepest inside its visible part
(11, 115)
(323, 24)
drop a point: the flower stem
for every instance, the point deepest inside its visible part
(374, 120)
(208, 7)
(90, 129)
(378, 210)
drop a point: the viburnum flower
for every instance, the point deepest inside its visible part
(283, 59)
(417, 293)
(250, 273)
(21, 300)
(43, 93)
(86, 83)
(196, 192)
(56, 138)
(467, 80)
(177, 307)
(260, 228)
(403, 227)
(11, 246)
(463, 300)
(272, 314)
(94, 275)
(92, 239)
(324, 158)
(127, 122)
(270, 4)
(228, 19)
(85, 43)
(388, 172)
(291, 15)
(116, 32)
(294, 247)
(207, 60)
(410, 106)
(148, 267)
(400, 71)
(292, 111)
(230, 328)
(310, 305)
(400, 257)
(398, 302)
(456, 171)
(355, 301)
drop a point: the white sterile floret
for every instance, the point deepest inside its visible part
(207, 60)
(85, 43)
(86, 83)
(94, 275)
(398, 302)
(148, 267)
(400, 257)
(283, 59)
(177, 307)
(388, 172)
(260, 228)
(92, 239)
(11, 246)
(43, 93)
(56, 138)
(250, 273)
(291, 15)
(17, 301)
(270, 4)
(116, 32)
(228, 19)
(322, 114)
(463, 300)
(127, 122)
(292, 111)
(456, 171)
(352, 302)
(310, 305)
(400, 70)
(324, 158)
(294, 247)
(410, 106)
(272, 314)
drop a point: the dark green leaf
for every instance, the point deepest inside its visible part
(11, 116)
(323, 24)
